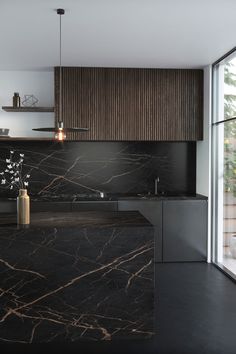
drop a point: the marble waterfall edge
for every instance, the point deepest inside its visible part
(66, 284)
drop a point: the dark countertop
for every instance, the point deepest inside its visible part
(164, 197)
(79, 219)
(112, 197)
(125, 196)
(65, 284)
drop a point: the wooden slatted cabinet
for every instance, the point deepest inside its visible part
(122, 104)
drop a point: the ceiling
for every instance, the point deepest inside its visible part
(118, 33)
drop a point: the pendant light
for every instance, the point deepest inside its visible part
(60, 131)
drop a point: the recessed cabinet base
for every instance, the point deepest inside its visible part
(184, 230)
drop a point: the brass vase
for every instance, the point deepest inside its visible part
(23, 207)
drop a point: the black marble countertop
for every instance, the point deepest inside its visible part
(164, 196)
(79, 219)
(64, 284)
(113, 197)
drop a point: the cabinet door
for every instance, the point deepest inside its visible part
(8, 206)
(50, 206)
(184, 230)
(121, 104)
(94, 206)
(152, 211)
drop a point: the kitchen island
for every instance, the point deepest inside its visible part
(70, 276)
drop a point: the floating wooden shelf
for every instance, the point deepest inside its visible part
(28, 109)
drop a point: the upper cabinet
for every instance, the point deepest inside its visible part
(120, 104)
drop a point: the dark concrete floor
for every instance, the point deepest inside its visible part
(195, 313)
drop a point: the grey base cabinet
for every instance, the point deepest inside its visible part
(180, 227)
(184, 230)
(94, 205)
(152, 211)
(7, 206)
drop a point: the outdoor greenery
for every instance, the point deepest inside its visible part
(230, 132)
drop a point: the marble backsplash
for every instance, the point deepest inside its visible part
(72, 168)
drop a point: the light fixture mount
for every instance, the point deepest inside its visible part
(60, 11)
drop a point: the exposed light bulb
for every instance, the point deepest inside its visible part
(60, 135)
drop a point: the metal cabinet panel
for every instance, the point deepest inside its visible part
(94, 205)
(184, 230)
(152, 211)
(8, 206)
(37, 206)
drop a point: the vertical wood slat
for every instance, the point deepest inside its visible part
(131, 104)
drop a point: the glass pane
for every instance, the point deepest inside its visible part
(230, 89)
(225, 164)
(229, 198)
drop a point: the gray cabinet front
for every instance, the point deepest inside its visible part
(152, 211)
(94, 205)
(184, 230)
(8, 206)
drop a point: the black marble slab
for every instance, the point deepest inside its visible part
(118, 196)
(90, 281)
(164, 196)
(95, 219)
(110, 203)
(81, 170)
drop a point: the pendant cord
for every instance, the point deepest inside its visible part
(60, 84)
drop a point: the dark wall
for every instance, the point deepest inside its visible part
(59, 169)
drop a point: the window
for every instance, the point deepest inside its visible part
(224, 163)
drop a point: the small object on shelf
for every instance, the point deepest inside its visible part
(29, 101)
(16, 100)
(4, 132)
